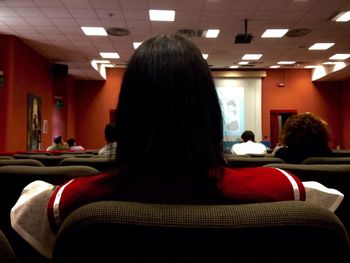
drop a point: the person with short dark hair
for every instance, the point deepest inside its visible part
(248, 145)
(58, 144)
(74, 146)
(169, 130)
(110, 149)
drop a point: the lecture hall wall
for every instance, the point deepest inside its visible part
(87, 104)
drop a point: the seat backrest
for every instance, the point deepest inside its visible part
(101, 164)
(6, 157)
(119, 231)
(49, 160)
(13, 179)
(237, 161)
(341, 153)
(331, 175)
(7, 255)
(26, 162)
(326, 160)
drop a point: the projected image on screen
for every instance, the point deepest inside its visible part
(232, 107)
(240, 100)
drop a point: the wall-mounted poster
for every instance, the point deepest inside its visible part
(34, 123)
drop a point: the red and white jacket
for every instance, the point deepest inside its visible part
(42, 207)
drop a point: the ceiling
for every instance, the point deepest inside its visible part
(52, 28)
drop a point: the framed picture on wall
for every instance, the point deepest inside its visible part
(34, 123)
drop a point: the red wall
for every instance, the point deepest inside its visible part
(87, 104)
(301, 94)
(25, 72)
(93, 102)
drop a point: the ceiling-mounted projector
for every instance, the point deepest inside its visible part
(244, 38)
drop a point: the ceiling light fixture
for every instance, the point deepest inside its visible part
(136, 44)
(109, 54)
(340, 56)
(274, 33)
(321, 46)
(251, 56)
(211, 33)
(161, 15)
(286, 62)
(342, 17)
(94, 31)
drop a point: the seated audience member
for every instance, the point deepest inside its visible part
(170, 137)
(73, 145)
(110, 149)
(304, 135)
(248, 145)
(58, 144)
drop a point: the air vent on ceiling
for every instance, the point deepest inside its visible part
(298, 32)
(186, 32)
(119, 32)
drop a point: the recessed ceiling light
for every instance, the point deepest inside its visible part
(340, 56)
(329, 63)
(274, 33)
(274, 66)
(234, 66)
(212, 33)
(243, 63)
(342, 17)
(95, 63)
(286, 62)
(205, 56)
(94, 31)
(321, 46)
(109, 54)
(136, 44)
(252, 56)
(161, 15)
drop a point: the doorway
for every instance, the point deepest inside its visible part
(277, 120)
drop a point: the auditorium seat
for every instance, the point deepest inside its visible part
(101, 164)
(331, 175)
(49, 160)
(341, 153)
(7, 255)
(115, 231)
(13, 179)
(5, 157)
(238, 161)
(326, 160)
(26, 162)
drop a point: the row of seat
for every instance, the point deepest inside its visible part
(101, 164)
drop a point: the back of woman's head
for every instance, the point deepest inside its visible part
(168, 112)
(306, 132)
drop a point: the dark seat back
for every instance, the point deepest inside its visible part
(25, 162)
(101, 164)
(114, 231)
(7, 255)
(326, 160)
(13, 179)
(331, 175)
(237, 161)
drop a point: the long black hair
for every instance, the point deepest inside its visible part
(168, 115)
